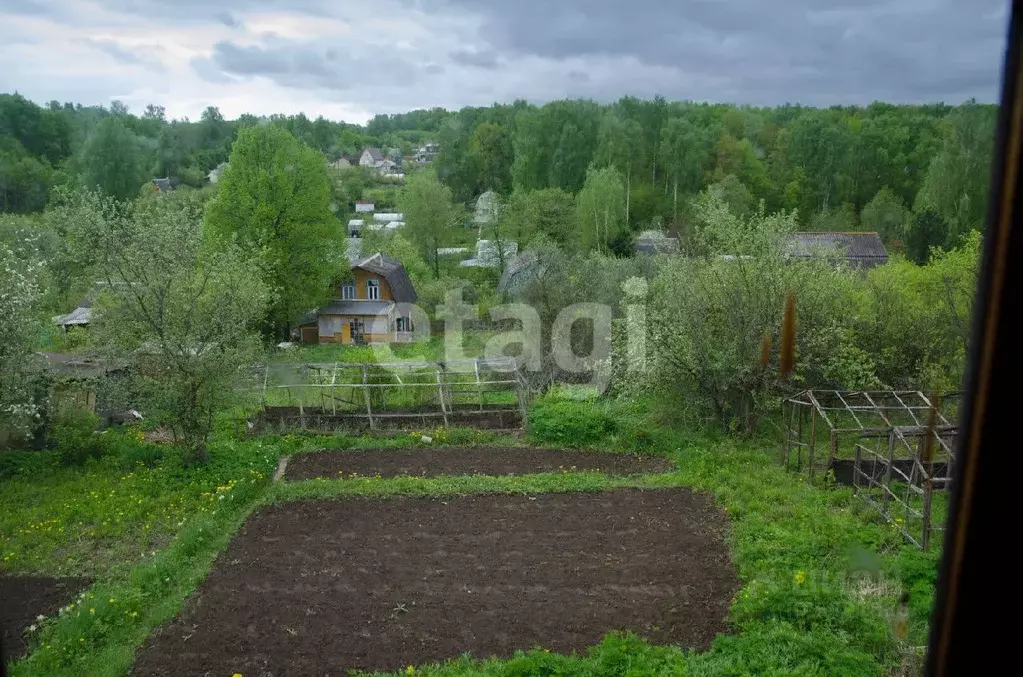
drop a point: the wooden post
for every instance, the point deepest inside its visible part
(479, 388)
(440, 394)
(812, 442)
(856, 469)
(365, 393)
(520, 393)
(301, 409)
(925, 539)
(886, 495)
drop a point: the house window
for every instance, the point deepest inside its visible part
(348, 291)
(404, 324)
(373, 290)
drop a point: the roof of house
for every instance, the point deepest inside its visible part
(78, 366)
(81, 315)
(656, 242)
(349, 307)
(364, 202)
(374, 153)
(391, 270)
(864, 249)
(517, 271)
(163, 184)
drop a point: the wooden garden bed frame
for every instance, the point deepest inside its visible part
(903, 446)
(316, 388)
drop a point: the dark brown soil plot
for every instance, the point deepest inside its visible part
(320, 587)
(431, 462)
(23, 598)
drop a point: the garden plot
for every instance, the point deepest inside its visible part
(321, 587)
(24, 598)
(433, 462)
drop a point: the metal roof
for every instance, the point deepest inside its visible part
(355, 307)
(862, 249)
(397, 277)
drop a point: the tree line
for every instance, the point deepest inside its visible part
(915, 174)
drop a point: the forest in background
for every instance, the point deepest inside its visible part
(916, 174)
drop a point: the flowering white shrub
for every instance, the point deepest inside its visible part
(19, 294)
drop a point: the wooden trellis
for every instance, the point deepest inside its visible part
(489, 392)
(897, 448)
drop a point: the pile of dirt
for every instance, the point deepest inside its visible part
(323, 587)
(432, 462)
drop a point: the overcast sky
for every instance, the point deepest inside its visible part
(351, 59)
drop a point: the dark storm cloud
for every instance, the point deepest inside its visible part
(391, 54)
(807, 50)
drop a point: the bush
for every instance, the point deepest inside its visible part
(14, 463)
(76, 441)
(569, 423)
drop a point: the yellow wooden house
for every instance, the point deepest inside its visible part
(365, 308)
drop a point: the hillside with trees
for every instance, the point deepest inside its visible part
(915, 174)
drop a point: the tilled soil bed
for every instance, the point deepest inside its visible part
(322, 587)
(432, 462)
(24, 598)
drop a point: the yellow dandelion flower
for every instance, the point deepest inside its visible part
(800, 577)
(410, 670)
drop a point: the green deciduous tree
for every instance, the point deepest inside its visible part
(181, 313)
(886, 215)
(429, 214)
(683, 151)
(490, 153)
(549, 212)
(955, 185)
(600, 209)
(24, 180)
(274, 202)
(112, 160)
(926, 230)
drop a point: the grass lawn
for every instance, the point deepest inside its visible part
(820, 576)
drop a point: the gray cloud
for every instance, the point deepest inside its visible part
(295, 65)
(806, 50)
(390, 55)
(228, 20)
(128, 57)
(485, 59)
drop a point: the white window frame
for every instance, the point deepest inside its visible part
(348, 291)
(373, 289)
(404, 323)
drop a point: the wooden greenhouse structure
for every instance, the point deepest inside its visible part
(488, 393)
(896, 448)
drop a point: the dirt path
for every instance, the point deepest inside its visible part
(431, 462)
(320, 587)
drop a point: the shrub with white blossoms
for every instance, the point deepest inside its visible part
(19, 295)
